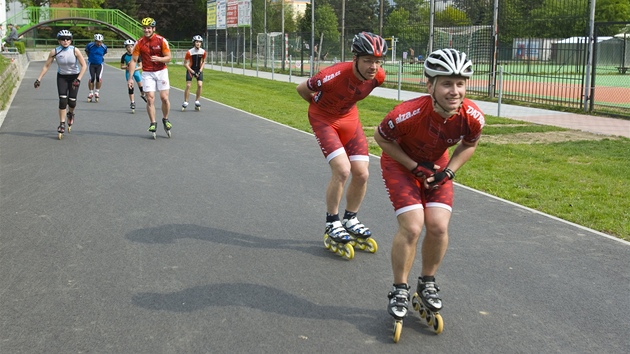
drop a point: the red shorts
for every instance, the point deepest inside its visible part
(344, 134)
(405, 189)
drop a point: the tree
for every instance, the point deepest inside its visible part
(325, 25)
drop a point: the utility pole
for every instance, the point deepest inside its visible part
(343, 30)
(380, 26)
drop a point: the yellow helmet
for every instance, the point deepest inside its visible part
(148, 22)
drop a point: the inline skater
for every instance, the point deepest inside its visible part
(418, 173)
(124, 63)
(69, 76)
(155, 53)
(193, 62)
(95, 51)
(332, 94)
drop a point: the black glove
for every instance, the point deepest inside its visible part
(76, 83)
(37, 83)
(424, 169)
(197, 74)
(441, 177)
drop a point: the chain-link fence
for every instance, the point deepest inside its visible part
(528, 51)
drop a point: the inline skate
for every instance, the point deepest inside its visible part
(337, 240)
(70, 119)
(90, 96)
(197, 106)
(184, 106)
(167, 126)
(96, 96)
(398, 306)
(133, 107)
(60, 130)
(427, 301)
(361, 235)
(152, 129)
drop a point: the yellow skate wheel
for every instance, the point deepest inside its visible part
(327, 242)
(371, 245)
(362, 246)
(415, 302)
(397, 330)
(60, 136)
(333, 247)
(347, 251)
(438, 323)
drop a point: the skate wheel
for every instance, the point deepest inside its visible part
(327, 242)
(397, 330)
(362, 246)
(168, 132)
(347, 251)
(370, 245)
(334, 247)
(438, 323)
(154, 135)
(69, 128)
(415, 302)
(197, 109)
(133, 111)
(60, 136)
(183, 109)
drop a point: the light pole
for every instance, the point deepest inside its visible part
(312, 37)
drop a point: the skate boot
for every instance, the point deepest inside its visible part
(184, 106)
(398, 306)
(361, 235)
(337, 240)
(152, 129)
(133, 107)
(144, 97)
(96, 96)
(60, 130)
(90, 96)
(197, 106)
(70, 120)
(167, 126)
(427, 301)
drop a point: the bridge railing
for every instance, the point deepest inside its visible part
(34, 15)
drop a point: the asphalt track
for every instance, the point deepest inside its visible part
(211, 242)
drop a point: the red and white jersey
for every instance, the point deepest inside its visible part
(145, 48)
(338, 90)
(196, 57)
(424, 135)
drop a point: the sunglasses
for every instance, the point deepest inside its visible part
(65, 38)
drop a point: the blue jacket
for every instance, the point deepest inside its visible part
(95, 53)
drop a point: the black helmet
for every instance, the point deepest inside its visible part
(366, 43)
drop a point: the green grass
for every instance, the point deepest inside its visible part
(585, 182)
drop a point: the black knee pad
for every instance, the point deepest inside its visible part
(63, 102)
(72, 102)
(131, 91)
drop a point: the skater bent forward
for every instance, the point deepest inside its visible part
(418, 173)
(332, 95)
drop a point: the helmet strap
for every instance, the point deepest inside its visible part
(356, 66)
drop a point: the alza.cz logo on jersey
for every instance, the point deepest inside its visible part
(404, 116)
(328, 78)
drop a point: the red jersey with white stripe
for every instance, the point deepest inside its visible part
(424, 135)
(338, 90)
(145, 48)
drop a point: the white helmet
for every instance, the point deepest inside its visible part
(129, 42)
(98, 37)
(447, 62)
(64, 33)
(197, 38)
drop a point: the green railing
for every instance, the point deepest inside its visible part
(32, 16)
